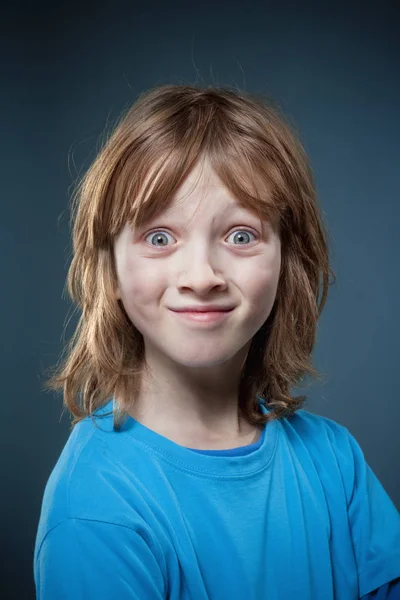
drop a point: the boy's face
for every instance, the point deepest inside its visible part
(207, 250)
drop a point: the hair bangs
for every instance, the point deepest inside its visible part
(252, 187)
(254, 168)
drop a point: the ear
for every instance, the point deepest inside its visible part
(117, 294)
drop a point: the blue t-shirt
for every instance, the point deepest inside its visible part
(132, 515)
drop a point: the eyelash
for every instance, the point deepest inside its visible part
(150, 233)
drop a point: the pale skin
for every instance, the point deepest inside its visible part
(211, 250)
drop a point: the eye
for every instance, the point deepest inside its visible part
(159, 238)
(243, 234)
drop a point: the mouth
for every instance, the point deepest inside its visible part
(212, 316)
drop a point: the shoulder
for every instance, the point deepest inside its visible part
(332, 449)
(89, 479)
(95, 493)
(317, 431)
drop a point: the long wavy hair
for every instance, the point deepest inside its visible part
(141, 164)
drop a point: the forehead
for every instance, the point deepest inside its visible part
(203, 193)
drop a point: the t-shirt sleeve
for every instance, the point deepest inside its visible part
(81, 559)
(389, 591)
(374, 523)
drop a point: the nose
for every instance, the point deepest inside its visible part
(201, 276)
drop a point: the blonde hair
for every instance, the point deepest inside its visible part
(135, 175)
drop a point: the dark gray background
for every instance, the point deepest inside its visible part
(68, 70)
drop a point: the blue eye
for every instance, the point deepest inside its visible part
(159, 236)
(162, 241)
(245, 232)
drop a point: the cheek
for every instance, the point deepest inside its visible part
(140, 285)
(141, 290)
(260, 282)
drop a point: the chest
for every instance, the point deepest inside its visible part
(264, 537)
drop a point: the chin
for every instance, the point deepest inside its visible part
(197, 354)
(202, 361)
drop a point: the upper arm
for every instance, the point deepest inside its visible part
(81, 559)
(374, 524)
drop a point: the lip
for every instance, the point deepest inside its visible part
(199, 308)
(204, 317)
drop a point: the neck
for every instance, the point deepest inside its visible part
(194, 407)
